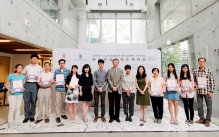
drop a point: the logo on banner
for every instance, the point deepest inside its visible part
(80, 56)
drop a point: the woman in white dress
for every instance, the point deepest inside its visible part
(72, 92)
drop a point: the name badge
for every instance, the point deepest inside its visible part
(31, 76)
(59, 83)
(202, 85)
(155, 93)
(171, 88)
(46, 83)
(187, 88)
(17, 89)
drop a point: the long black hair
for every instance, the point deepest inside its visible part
(174, 71)
(187, 73)
(86, 66)
(17, 67)
(74, 66)
(138, 76)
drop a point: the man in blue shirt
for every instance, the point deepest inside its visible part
(100, 83)
(60, 88)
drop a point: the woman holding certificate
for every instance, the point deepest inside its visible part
(72, 92)
(187, 92)
(172, 94)
(142, 97)
(156, 89)
(15, 95)
(86, 83)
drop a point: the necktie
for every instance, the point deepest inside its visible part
(115, 78)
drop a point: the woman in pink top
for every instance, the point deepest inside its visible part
(187, 92)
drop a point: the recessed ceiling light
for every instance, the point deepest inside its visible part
(28, 50)
(4, 40)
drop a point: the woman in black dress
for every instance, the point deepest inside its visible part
(86, 83)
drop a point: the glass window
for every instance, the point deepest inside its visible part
(138, 31)
(138, 16)
(108, 15)
(93, 33)
(93, 15)
(50, 7)
(123, 16)
(123, 31)
(116, 28)
(108, 31)
(173, 12)
(176, 54)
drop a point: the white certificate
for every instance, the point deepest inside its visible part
(187, 85)
(45, 79)
(73, 83)
(155, 89)
(202, 82)
(171, 85)
(17, 86)
(59, 79)
(32, 74)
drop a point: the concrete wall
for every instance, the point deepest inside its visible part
(42, 27)
(203, 25)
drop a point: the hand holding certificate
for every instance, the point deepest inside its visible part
(45, 80)
(202, 82)
(171, 85)
(155, 89)
(18, 86)
(73, 83)
(59, 79)
(187, 85)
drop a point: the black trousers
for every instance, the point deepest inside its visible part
(188, 106)
(114, 101)
(157, 105)
(128, 103)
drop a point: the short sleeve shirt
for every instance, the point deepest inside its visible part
(12, 77)
(34, 68)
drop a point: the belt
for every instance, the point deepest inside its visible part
(44, 87)
(32, 82)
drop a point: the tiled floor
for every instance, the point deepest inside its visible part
(80, 126)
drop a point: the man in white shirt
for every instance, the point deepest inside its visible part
(31, 72)
(45, 80)
(128, 94)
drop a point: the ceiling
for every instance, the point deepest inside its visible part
(14, 47)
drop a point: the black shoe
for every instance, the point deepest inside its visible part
(25, 120)
(130, 119)
(127, 118)
(64, 116)
(58, 120)
(32, 119)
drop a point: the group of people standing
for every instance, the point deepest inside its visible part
(32, 84)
